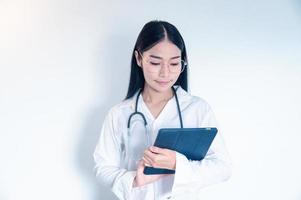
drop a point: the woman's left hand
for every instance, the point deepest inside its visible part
(160, 158)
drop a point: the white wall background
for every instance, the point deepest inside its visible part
(64, 63)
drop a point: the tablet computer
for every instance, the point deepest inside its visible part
(191, 142)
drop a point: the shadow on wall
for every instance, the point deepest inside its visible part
(116, 80)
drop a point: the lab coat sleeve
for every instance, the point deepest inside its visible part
(215, 167)
(107, 157)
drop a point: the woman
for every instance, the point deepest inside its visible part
(158, 77)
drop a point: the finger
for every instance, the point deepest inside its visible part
(140, 163)
(155, 149)
(140, 166)
(158, 150)
(151, 157)
(146, 161)
(150, 161)
(149, 154)
(159, 162)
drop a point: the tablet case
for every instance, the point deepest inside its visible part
(192, 142)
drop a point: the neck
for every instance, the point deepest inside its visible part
(152, 96)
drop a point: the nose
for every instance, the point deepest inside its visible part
(164, 70)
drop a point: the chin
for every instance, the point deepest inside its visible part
(163, 88)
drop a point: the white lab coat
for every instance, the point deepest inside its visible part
(116, 162)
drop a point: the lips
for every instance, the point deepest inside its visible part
(163, 82)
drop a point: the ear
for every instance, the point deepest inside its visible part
(138, 58)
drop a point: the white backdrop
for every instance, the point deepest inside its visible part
(64, 63)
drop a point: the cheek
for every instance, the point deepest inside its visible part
(175, 77)
(149, 76)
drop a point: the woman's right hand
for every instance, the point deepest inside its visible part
(142, 179)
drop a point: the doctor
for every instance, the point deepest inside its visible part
(158, 85)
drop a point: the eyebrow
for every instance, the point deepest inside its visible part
(158, 57)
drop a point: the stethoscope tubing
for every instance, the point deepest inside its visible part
(143, 117)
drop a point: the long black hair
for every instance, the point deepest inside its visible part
(152, 33)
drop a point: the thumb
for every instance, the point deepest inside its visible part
(140, 166)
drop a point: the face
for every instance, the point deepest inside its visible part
(159, 65)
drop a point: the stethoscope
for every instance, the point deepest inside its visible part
(143, 117)
(133, 152)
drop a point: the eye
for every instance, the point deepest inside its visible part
(175, 64)
(154, 63)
